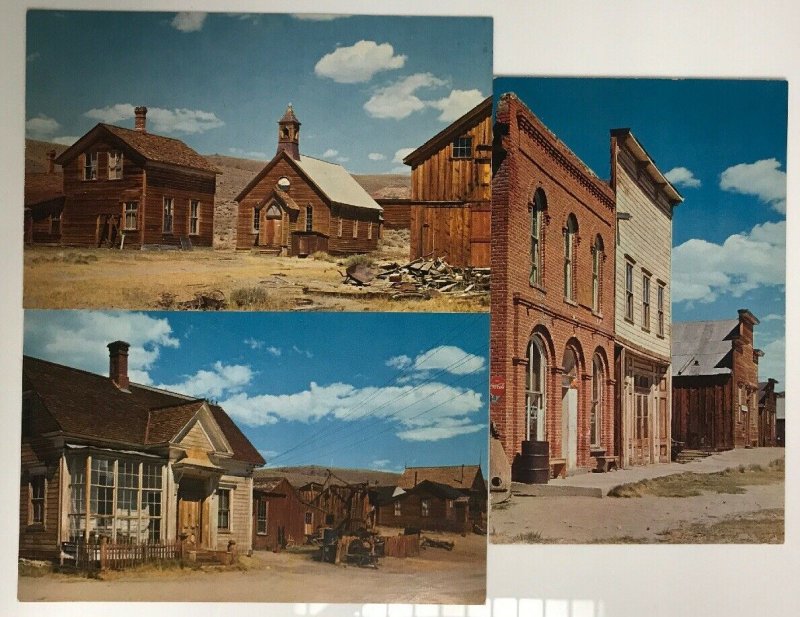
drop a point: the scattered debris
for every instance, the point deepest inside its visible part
(426, 542)
(425, 278)
(204, 301)
(359, 274)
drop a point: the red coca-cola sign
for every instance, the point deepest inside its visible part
(497, 387)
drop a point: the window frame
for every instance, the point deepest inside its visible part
(309, 219)
(37, 503)
(355, 229)
(133, 211)
(168, 214)
(660, 293)
(598, 252)
(538, 206)
(570, 232)
(89, 166)
(262, 518)
(425, 507)
(256, 220)
(629, 291)
(55, 224)
(339, 227)
(194, 217)
(118, 162)
(646, 280)
(224, 499)
(533, 396)
(398, 508)
(597, 403)
(369, 230)
(461, 147)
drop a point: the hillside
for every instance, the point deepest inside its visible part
(298, 476)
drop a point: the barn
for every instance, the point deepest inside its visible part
(427, 506)
(279, 515)
(297, 205)
(449, 212)
(131, 188)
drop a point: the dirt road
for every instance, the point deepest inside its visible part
(436, 576)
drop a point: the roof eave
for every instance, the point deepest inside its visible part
(670, 191)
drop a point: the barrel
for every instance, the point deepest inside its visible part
(532, 466)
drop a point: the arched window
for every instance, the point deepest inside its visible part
(595, 419)
(597, 262)
(537, 212)
(535, 391)
(569, 252)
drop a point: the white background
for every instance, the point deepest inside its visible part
(614, 38)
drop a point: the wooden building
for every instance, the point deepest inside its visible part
(298, 204)
(44, 204)
(643, 317)
(279, 515)
(427, 506)
(149, 189)
(103, 457)
(767, 408)
(467, 479)
(345, 507)
(450, 205)
(780, 419)
(715, 383)
(552, 327)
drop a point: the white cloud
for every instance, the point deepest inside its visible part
(267, 454)
(380, 463)
(342, 159)
(681, 176)
(318, 16)
(773, 317)
(248, 154)
(359, 62)
(401, 154)
(449, 358)
(763, 179)
(376, 156)
(253, 343)
(258, 345)
(399, 99)
(222, 379)
(445, 430)
(329, 153)
(773, 364)
(703, 271)
(189, 21)
(79, 339)
(399, 362)
(65, 140)
(302, 352)
(178, 120)
(41, 127)
(402, 169)
(275, 351)
(457, 103)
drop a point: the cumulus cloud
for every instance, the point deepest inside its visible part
(65, 140)
(683, 177)
(415, 410)
(248, 154)
(376, 156)
(401, 154)
(399, 99)
(773, 364)
(41, 127)
(188, 21)
(702, 270)
(178, 120)
(221, 379)
(773, 317)
(399, 362)
(457, 103)
(79, 339)
(762, 179)
(329, 153)
(380, 463)
(449, 358)
(359, 62)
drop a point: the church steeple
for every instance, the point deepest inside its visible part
(289, 134)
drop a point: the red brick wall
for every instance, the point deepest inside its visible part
(531, 157)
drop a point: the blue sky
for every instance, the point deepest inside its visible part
(378, 391)
(367, 89)
(723, 145)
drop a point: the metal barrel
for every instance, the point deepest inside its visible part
(532, 466)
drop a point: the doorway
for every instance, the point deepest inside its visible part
(192, 517)
(569, 411)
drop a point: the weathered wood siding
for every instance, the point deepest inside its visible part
(703, 411)
(460, 234)
(443, 514)
(241, 492)
(284, 509)
(183, 187)
(396, 215)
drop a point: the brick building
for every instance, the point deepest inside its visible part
(643, 316)
(552, 332)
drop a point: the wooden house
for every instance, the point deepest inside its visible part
(780, 419)
(279, 515)
(552, 328)
(298, 204)
(428, 506)
(132, 184)
(467, 479)
(345, 507)
(767, 408)
(103, 457)
(44, 204)
(642, 318)
(715, 383)
(450, 205)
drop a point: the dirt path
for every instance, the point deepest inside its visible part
(436, 576)
(589, 519)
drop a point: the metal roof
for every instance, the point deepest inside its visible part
(702, 347)
(337, 183)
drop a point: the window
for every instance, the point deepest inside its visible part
(115, 165)
(223, 509)
(131, 220)
(369, 230)
(309, 518)
(645, 302)
(36, 489)
(261, 516)
(569, 249)
(309, 218)
(90, 166)
(101, 495)
(597, 262)
(256, 219)
(55, 224)
(629, 291)
(660, 304)
(462, 147)
(425, 507)
(537, 209)
(355, 229)
(339, 228)
(194, 217)
(398, 508)
(151, 499)
(169, 204)
(534, 391)
(597, 401)
(77, 499)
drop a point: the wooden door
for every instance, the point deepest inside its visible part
(480, 238)
(641, 437)
(569, 427)
(191, 497)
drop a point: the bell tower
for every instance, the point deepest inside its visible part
(289, 134)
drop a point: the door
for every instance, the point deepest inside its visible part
(480, 238)
(271, 233)
(641, 438)
(190, 512)
(569, 427)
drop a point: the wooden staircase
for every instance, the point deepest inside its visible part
(687, 456)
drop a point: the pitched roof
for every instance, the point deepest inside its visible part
(288, 115)
(43, 187)
(439, 489)
(458, 476)
(156, 148)
(337, 183)
(703, 347)
(89, 406)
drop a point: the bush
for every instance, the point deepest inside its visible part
(248, 296)
(322, 256)
(361, 259)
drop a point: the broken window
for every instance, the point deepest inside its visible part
(115, 165)
(339, 227)
(425, 507)
(55, 224)
(131, 220)
(462, 147)
(223, 509)
(90, 166)
(169, 205)
(194, 217)
(36, 489)
(369, 231)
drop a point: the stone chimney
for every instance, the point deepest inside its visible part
(140, 124)
(51, 164)
(118, 364)
(289, 134)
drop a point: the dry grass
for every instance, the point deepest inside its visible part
(764, 527)
(730, 481)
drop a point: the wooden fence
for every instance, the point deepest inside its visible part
(102, 555)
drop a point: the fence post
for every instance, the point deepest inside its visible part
(103, 550)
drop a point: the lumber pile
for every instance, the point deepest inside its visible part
(430, 542)
(423, 278)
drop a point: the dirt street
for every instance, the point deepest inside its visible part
(436, 576)
(577, 520)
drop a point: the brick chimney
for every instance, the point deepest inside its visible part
(51, 164)
(118, 364)
(140, 123)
